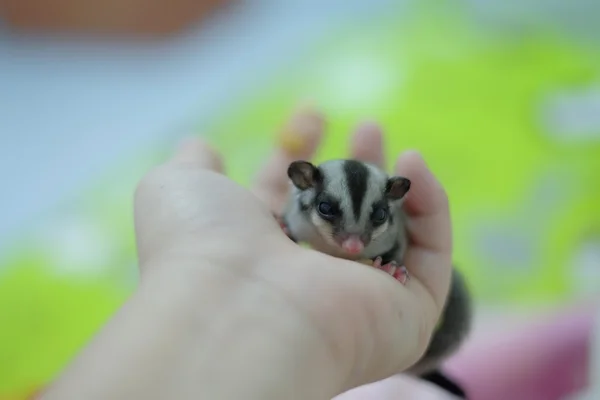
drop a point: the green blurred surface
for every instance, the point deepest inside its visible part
(470, 105)
(45, 320)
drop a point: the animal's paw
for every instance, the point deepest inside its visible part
(283, 226)
(280, 222)
(399, 272)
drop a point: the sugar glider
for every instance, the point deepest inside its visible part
(353, 210)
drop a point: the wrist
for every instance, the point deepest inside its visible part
(249, 340)
(251, 335)
(203, 331)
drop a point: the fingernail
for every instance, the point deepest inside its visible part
(306, 122)
(306, 105)
(414, 153)
(369, 125)
(302, 131)
(417, 156)
(369, 135)
(291, 142)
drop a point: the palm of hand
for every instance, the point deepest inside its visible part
(171, 217)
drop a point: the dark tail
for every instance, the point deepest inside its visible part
(439, 379)
(455, 325)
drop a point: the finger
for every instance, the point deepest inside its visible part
(367, 144)
(396, 387)
(382, 326)
(426, 203)
(193, 151)
(298, 141)
(429, 257)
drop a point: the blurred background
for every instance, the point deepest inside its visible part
(501, 97)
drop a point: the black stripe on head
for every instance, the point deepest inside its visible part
(357, 175)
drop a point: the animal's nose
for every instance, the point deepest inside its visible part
(353, 244)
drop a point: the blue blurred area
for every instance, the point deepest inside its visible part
(70, 106)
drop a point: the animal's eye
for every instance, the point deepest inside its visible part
(379, 215)
(326, 209)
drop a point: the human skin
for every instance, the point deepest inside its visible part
(228, 307)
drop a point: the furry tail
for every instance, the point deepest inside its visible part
(455, 324)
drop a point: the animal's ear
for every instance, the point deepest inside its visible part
(397, 187)
(303, 174)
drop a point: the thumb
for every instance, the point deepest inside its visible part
(194, 152)
(168, 199)
(375, 326)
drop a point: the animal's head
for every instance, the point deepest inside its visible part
(351, 204)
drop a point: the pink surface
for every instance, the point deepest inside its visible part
(544, 361)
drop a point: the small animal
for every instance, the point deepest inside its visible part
(353, 210)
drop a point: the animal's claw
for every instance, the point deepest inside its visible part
(283, 226)
(400, 273)
(377, 262)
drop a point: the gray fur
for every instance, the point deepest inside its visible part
(455, 326)
(304, 224)
(301, 210)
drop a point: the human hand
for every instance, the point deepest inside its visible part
(362, 302)
(366, 145)
(396, 387)
(228, 306)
